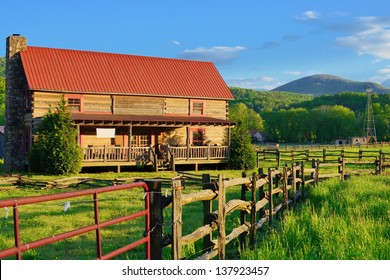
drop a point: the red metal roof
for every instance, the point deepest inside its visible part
(77, 71)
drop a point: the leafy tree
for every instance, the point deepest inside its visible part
(332, 122)
(245, 117)
(2, 67)
(55, 151)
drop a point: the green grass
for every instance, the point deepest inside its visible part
(340, 221)
(47, 219)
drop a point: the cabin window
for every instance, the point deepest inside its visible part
(74, 104)
(198, 136)
(139, 141)
(197, 108)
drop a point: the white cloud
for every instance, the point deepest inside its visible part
(384, 71)
(383, 75)
(217, 54)
(263, 83)
(308, 15)
(372, 37)
(177, 43)
(293, 73)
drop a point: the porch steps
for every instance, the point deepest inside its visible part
(163, 165)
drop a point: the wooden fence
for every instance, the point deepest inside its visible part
(378, 158)
(256, 199)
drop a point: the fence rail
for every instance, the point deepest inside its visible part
(262, 196)
(19, 248)
(359, 157)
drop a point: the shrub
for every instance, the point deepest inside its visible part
(242, 155)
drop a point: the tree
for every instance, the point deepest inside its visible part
(242, 154)
(55, 151)
(245, 117)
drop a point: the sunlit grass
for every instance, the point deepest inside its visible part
(340, 221)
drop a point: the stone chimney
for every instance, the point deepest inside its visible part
(15, 44)
(14, 150)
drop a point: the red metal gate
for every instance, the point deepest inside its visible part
(18, 249)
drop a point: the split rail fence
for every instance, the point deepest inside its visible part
(379, 159)
(257, 200)
(262, 197)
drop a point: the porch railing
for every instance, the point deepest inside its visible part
(114, 153)
(142, 154)
(200, 152)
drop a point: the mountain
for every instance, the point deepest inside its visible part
(386, 83)
(328, 84)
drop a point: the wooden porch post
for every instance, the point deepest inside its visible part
(129, 142)
(228, 134)
(78, 135)
(188, 142)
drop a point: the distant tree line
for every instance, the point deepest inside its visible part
(296, 118)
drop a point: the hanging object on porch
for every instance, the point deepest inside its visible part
(105, 132)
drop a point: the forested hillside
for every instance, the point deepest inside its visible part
(289, 117)
(328, 84)
(266, 100)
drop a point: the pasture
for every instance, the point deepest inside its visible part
(339, 220)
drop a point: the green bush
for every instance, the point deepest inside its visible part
(55, 150)
(242, 154)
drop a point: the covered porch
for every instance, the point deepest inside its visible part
(162, 142)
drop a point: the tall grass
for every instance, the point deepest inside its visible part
(341, 221)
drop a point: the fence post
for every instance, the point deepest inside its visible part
(294, 181)
(207, 209)
(252, 235)
(261, 192)
(221, 217)
(341, 168)
(271, 203)
(381, 162)
(244, 188)
(177, 219)
(324, 155)
(285, 188)
(278, 157)
(303, 181)
(314, 174)
(317, 172)
(156, 218)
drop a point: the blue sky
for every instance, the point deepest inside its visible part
(253, 43)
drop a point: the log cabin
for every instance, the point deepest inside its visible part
(128, 110)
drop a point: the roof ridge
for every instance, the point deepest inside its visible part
(119, 54)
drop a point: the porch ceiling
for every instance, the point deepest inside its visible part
(175, 121)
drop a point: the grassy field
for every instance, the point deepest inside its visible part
(340, 221)
(47, 219)
(347, 220)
